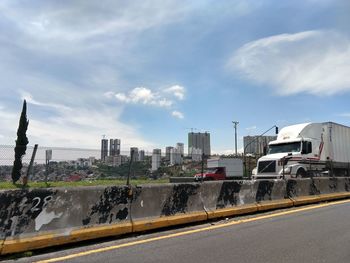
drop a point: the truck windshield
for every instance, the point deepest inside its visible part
(285, 147)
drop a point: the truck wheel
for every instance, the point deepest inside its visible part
(300, 173)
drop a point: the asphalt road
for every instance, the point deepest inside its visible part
(315, 235)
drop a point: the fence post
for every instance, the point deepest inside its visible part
(30, 167)
(129, 171)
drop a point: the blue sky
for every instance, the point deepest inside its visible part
(148, 71)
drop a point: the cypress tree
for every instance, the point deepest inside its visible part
(21, 144)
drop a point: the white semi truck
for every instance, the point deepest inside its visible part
(308, 149)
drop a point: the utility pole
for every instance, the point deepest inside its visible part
(235, 123)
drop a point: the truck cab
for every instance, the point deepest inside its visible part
(296, 150)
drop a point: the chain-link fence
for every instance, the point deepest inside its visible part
(49, 163)
(72, 164)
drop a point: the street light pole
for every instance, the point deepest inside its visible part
(235, 123)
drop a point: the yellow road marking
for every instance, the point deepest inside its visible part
(85, 253)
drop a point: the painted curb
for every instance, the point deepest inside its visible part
(14, 245)
(1, 245)
(232, 211)
(276, 204)
(304, 200)
(144, 225)
(334, 196)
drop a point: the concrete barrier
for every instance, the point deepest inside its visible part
(347, 184)
(271, 194)
(228, 198)
(302, 191)
(156, 206)
(311, 190)
(331, 188)
(299, 187)
(242, 197)
(37, 218)
(31, 219)
(328, 185)
(268, 190)
(182, 179)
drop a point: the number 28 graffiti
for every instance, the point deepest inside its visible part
(39, 204)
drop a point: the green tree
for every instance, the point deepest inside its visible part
(21, 144)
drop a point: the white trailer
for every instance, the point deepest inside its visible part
(308, 149)
(233, 166)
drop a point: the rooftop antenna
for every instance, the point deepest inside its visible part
(192, 129)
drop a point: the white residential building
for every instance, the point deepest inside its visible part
(156, 159)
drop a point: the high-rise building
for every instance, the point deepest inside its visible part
(181, 148)
(175, 156)
(257, 144)
(167, 152)
(114, 147)
(199, 141)
(116, 160)
(196, 154)
(141, 155)
(104, 149)
(134, 152)
(91, 160)
(156, 158)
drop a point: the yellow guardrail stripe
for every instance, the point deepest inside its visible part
(14, 245)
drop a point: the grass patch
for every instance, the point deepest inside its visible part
(9, 185)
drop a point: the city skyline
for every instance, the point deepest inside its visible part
(150, 72)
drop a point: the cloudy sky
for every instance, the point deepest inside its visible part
(148, 71)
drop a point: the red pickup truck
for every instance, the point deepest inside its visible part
(218, 173)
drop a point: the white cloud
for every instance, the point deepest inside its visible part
(315, 62)
(9, 125)
(83, 128)
(177, 90)
(177, 114)
(122, 97)
(29, 99)
(109, 94)
(75, 127)
(57, 25)
(145, 96)
(165, 102)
